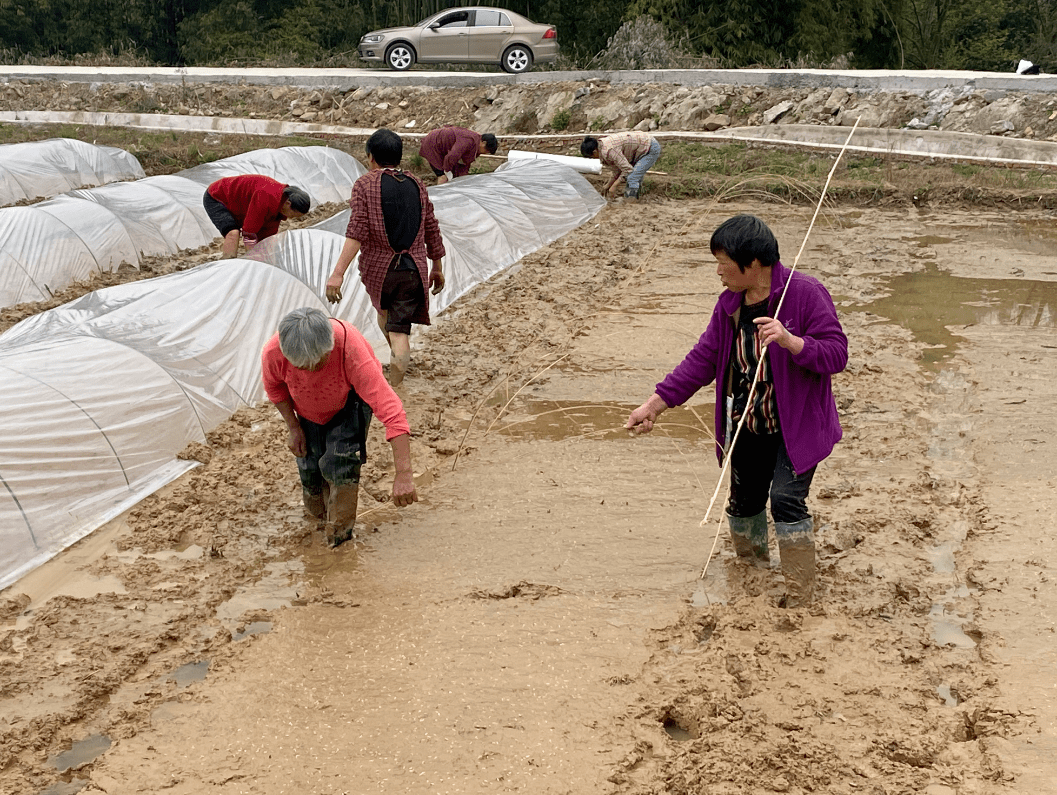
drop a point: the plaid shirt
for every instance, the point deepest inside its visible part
(367, 225)
(621, 150)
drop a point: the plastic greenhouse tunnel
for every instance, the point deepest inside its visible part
(46, 246)
(41, 169)
(97, 397)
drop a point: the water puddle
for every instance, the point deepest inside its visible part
(81, 753)
(71, 787)
(923, 241)
(276, 589)
(254, 628)
(189, 673)
(929, 301)
(949, 699)
(677, 732)
(189, 552)
(947, 629)
(558, 420)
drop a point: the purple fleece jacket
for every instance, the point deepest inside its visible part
(807, 413)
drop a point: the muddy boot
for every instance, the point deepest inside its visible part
(631, 193)
(341, 513)
(315, 504)
(749, 534)
(796, 543)
(398, 364)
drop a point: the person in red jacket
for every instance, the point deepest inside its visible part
(253, 205)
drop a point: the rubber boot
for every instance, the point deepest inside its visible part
(749, 534)
(796, 543)
(341, 513)
(315, 504)
(631, 193)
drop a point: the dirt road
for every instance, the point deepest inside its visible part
(538, 624)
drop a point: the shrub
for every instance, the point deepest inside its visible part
(642, 43)
(561, 119)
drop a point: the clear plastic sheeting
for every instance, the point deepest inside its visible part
(98, 396)
(45, 247)
(41, 169)
(327, 174)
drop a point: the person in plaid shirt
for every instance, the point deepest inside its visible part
(629, 154)
(393, 229)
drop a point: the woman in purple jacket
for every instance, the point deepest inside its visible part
(792, 423)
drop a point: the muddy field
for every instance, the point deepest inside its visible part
(539, 623)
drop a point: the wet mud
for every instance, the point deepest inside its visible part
(553, 616)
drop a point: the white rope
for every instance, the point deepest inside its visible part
(763, 355)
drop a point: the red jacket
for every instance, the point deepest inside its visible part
(254, 200)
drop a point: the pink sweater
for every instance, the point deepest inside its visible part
(319, 395)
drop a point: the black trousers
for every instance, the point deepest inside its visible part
(760, 467)
(337, 450)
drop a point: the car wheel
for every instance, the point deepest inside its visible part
(517, 59)
(400, 57)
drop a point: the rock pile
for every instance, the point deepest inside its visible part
(591, 105)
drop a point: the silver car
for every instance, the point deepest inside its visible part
(464, 35)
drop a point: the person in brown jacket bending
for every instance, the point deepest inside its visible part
(450, 150)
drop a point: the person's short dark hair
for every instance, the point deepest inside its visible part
(491, 143)
(300, 202)
(589, 146)
(745, 238)
(386, 146)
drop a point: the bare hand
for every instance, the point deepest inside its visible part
(642, 419)
(334, 284)
(404, 490)
(296, 442)
(771, 330)
(436, 280)
(442, 179)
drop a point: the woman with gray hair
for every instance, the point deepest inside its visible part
(325, 380)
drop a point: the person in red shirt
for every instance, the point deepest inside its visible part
(393, 229)
(254, 205)
(325, 380)
(450, 150)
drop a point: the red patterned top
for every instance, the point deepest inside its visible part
(367, 225)
(319, 395)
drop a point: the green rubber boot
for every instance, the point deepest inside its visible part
(796, 543)
(749, 534)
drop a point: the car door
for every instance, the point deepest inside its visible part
(490, 32)
(445, 38)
